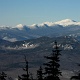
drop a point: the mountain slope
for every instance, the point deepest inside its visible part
(38, 48)
(50, 29)
(12, 54)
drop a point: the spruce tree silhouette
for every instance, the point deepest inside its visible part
(52, 71)
(3, 76)
(25, 76)
(40, 74)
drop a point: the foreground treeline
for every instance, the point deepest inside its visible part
(51, 69)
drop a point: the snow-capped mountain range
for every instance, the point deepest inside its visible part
(64, 23)
(50, 29)
(35, 49)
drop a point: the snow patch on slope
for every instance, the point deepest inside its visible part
(23, 46)
(67, 47)
(10, 39)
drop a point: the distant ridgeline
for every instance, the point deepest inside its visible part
(65, 27)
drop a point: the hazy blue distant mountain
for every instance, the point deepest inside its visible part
(50, 29)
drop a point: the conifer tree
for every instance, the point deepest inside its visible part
(25, 76)
(40, 74)
(3, 76)
(52, 71)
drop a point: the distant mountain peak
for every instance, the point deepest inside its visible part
(64, 23)
(67, 22)
(50, 29)
(33, 26)
(20, 26)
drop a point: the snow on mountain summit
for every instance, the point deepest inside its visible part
(20, 26)
(33, 26)
(23, 32)
(47, 23)
(4, 27)
(67, 22)
(64, 23)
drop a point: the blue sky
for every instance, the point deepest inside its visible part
(13, 12)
